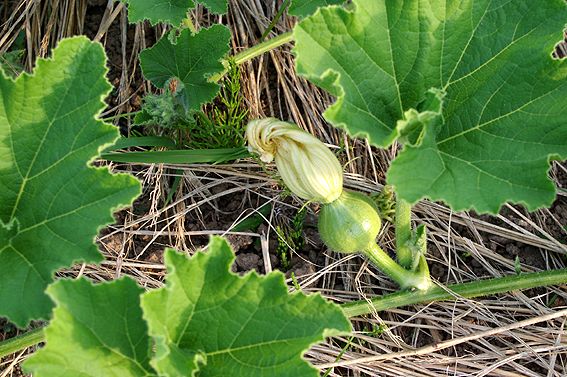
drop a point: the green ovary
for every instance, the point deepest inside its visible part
(350, 223)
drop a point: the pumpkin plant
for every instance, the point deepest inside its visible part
(474, 97)
(469, 89)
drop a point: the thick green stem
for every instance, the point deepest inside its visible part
(20, 342)
(257, 50)
(263, 47)
(394, 300)
(403, 230)
(451, 292)
(404, 278)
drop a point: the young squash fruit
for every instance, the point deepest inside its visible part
(349, 224)
(348, 221)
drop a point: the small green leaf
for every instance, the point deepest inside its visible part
(517, 265)
(191, 60)
(48, 135)
(304, 8)
(215, 6)
(96, 331)
(169, 11)
(418, 123)
(210, 321)
(505, 104)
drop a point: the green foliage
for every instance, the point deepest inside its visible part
(304, 8)
(255, 329)
(505, 97)
(169, 11)
(166, 113)
(206, 321)
(97, 330)
(191, 60)
(251, 223)
(228, 116)
(290, 237)
(51, 203)
(166, 110)
(11, 63)
(221, 125)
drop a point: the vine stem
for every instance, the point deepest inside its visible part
(402, 225)
(20, 342)
(257, 50)
(390, 301)
(404, 278)
(451, 292)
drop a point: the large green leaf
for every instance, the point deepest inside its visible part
(192, 60)
(169, 11)
(304, 8)
(96, 331)
(52, 200)
(213, 321)
(505, 99)
(207, 321)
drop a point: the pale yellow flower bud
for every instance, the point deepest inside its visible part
(308, 168)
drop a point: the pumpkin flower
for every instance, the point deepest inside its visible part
(308, 168)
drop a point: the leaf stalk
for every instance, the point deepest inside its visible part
(20, 342)
(404, 278)
(256, 50)
(403, 228)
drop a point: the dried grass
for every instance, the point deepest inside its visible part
(514, 334)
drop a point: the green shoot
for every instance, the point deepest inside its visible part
(290, 238)
(219, 126)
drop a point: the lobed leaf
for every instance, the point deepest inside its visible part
(168, 11)
(52, 200)
(304, 8)
(192, 60)
(205, 322)
(209, 320)
(96, 331)
(505, 97)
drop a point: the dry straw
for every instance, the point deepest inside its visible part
(515, 334)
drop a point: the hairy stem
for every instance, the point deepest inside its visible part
(257, 50)
(455, 291)
(404, 278)
(20, 342)
(403, 233)
(391, 301)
